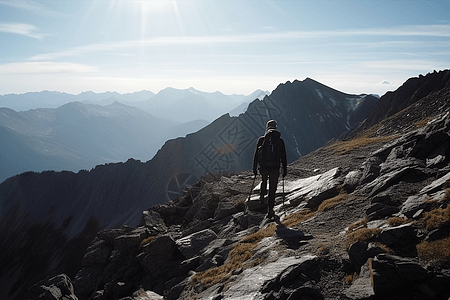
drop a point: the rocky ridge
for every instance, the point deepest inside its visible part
(364, 218)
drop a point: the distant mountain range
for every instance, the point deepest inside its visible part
(172, 104)
(81, 133)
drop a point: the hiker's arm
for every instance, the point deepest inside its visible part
(255, 156)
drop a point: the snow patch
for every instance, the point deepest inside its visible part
(332, 100)
(319, 93)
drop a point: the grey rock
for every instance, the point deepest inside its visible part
(190, 264)
(371, 170)
(314, 190)
(224, 209)
(351, 180)
(97, 254)
(358, 254)
(56, 288)
(383, 212)
(413, 204)
(438, 234)
(162, 245)
(389, 272)
(85, 281)
(127, 241)
(252, 280)
(289, 233)
(153, 222)
(392, 235)
(192, 244)
(361, 288)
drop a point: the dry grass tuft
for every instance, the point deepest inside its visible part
(344, 147)
(384, 248)
(297, 218)
(147, 240)
(422, 123)
(332, 202)
(437, 252)
(350, 278)
(362, 235)
(237, 256)
(358, 224)
(396, 221)
(436, 218)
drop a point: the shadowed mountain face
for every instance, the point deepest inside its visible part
(413, 90)
(72, 206)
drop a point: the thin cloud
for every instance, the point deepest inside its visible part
(420, 30)
(45, 68)
(21, 29)
(30, 6)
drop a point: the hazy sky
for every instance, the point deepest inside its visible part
(231, 46)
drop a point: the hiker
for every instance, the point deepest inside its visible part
(270, 152)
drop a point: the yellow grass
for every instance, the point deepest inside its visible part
(360, 223)
(437, 252)
(332, 202)
(147, 240)
(297, 218)
(350, 278)
(362, 235)
(423, 122)
(344, 147)
(436, 218)
(396, 221)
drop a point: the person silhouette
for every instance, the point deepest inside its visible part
(270, 154)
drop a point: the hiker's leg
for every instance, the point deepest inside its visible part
(273, 181)
(264, 175)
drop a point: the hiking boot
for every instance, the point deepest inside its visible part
(262, 200)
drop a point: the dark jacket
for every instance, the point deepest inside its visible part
(275, 134)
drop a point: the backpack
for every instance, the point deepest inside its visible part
(269, 152)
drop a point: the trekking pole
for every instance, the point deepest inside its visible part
(284, 207)
(249, 195)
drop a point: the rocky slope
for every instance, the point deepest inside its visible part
(370, 222)
(364, 218)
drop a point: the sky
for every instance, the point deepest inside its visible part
(235, 47)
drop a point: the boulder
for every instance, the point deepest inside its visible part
(392, 273)
(379, 211)
(224, 209)
(253, 279)
(56, 288)
(97, 254)
(385, 181)
(370, 170)
(314, 190)
(358, 254)
(351, 180)
(153, 222)
(392, 235)
(127, 241)
(413, 204)
(361, 288)
(303, 270)
(157, 256)
(192, 244)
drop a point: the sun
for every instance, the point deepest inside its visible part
(153, 6)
